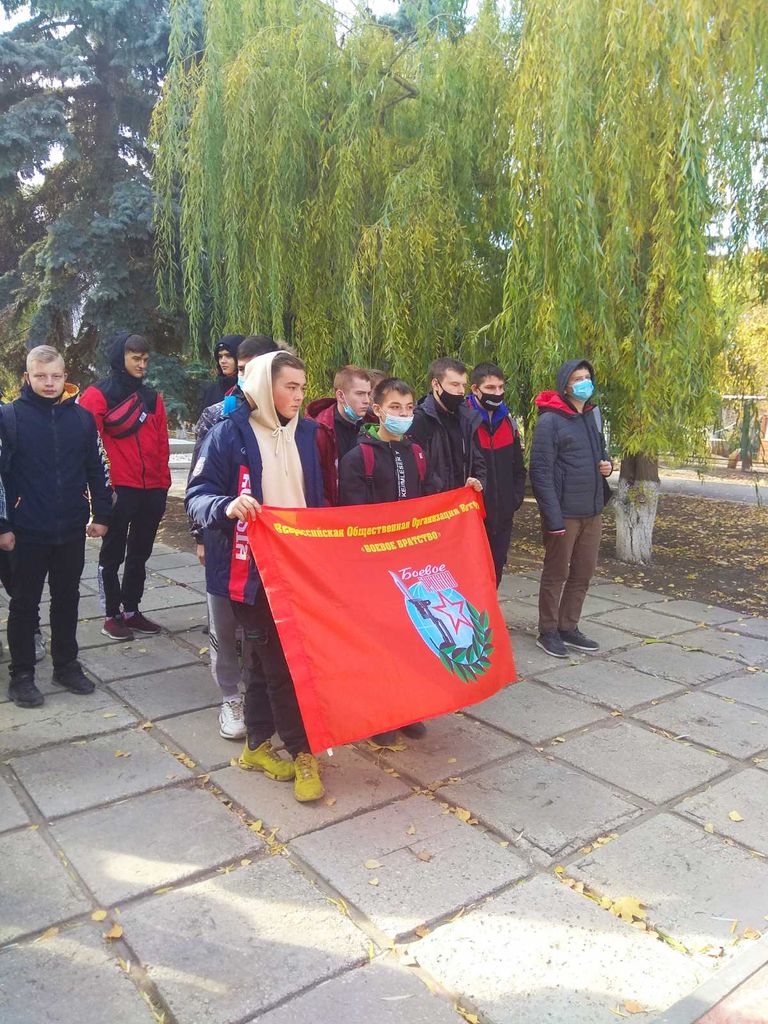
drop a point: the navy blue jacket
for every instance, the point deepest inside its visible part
(229, 464)
(49, 468)
(567, 447)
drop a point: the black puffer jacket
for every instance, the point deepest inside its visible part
(567, 447)
(430, 433)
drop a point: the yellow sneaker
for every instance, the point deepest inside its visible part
(308, 785)
(264, 759)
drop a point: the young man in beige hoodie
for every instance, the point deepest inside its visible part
(263, 453)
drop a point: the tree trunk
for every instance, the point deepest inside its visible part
(636, 503)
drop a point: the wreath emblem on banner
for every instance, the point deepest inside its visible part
(455, 631)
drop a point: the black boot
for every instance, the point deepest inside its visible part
(23, 692)
(72, 678)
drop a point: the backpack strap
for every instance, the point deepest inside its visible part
(421, 462)
(368, 462)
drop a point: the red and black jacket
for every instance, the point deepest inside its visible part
(499, 438)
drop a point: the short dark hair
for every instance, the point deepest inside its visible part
(483, 370)
(285, 361)
(439, 367)
(256, 345)
(383, 388)
(136, 343)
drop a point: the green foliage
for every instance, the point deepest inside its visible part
(79, 82)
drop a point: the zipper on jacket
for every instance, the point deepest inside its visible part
(57, 461)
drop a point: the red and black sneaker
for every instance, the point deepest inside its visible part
(116, 629)
(139, 624)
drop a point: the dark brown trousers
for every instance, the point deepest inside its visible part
(569, 564)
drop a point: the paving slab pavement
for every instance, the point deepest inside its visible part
(237, 904)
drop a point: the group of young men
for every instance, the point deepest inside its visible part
(99, 467)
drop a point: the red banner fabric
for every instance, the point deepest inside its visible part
(387, 613)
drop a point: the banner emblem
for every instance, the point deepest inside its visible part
(451, 627)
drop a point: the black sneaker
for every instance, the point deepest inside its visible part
(575, 638)
(72, 678)
(384, 739)
(23, 692)
(552, 644)
(415, 731)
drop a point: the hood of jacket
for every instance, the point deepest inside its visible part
(322, 411)
(119, 385)
(370, 435)
(466, 411)
(558, 401)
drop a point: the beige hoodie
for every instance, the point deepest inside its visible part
(282, 476)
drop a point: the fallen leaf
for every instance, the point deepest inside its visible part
(422, 931)
(115, 932)
(245, 862)
(471, 1018)
(503, 842)
(165, 888)
(462, 814)
(329, 801)
(49, 933)
(452, 760)
(628, 909)
(632, 1006)
(147, 725)
(202, 650)
(425, 855)
(372, 864)
(735, 816)
(98, 915)
(122, 753)
(751, 933)
(256, 826)
(559, 739)
(709, 827)
(109, 714)
(411, 830)
(373, 881)
(734, 926)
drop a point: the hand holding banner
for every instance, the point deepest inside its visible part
(387, 613)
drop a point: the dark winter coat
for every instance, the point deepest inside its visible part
(209, 417)
(430, 432)
(51, 466)
(140, 459)
(499, 437)
(229, 464)
(324, 413)
(567, 447)
(395, 476)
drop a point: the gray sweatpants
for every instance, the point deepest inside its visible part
(223, 634)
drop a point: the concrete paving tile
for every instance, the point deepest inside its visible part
(553, 806)
(35, 889)
(12, 814)
(189, 617)
(183, 574)
(711, 721)
(70, 977)
(534, 713)
(172, 596)
(518, 588)
(73, 776)
(241, 942)
(645, 622)
(464, 866)
(89, 634)
(171, 560)
(651, 766)
(594, 605)
(750, 688)
(622, 594)
(453, 744)
(744, 793)
(610, 639)
(353, 784)
(522, 614)
(197, 733)
(674, 663)
(746, 649)
(696, 611)
(573, 962)
(64, 716)
(605, 682)
(171, 692)
(144, 656)
(43, 672)
(380, 992)
(693, 885)
(530, 659)
(151, 841)
(748, 1004)
(750, 626)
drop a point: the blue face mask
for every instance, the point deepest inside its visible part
(241, 381)
(583, 390)
(398, 424)
(351, 414)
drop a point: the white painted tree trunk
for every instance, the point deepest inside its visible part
(636, 505)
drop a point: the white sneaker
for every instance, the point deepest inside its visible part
(40, 648)
(231, 720)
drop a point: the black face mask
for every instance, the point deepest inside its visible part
(451, 402)
(490, 402)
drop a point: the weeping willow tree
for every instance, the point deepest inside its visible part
(638, 151)
(337, 183)
(550, 181)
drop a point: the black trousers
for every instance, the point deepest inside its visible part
(131, 535)
(270, 697)
(499, 543)
(32, 561)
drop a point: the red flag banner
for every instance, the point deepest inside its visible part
(387, 613)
